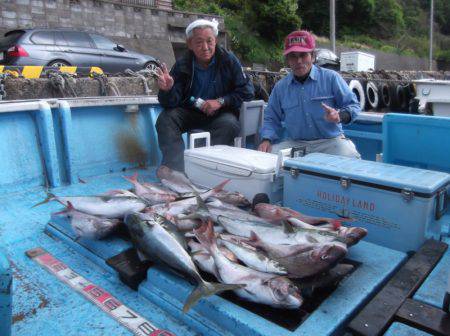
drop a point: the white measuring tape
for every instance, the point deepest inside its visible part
(97, 295)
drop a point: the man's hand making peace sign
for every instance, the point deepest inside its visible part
(165, 80)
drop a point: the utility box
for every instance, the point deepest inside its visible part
(400, 206)
(433, 96)
(352, 61)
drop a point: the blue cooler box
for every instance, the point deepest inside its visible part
(399, 206)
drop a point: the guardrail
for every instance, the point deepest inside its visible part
(164, 4)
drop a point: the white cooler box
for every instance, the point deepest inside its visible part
(251, 172)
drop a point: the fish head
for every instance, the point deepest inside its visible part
(163, 172)
(136, 221)
(238, 199)
(329, 253)
(354, 235)
(265, 209)
(285, 293)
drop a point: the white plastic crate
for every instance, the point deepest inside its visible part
(357, 61)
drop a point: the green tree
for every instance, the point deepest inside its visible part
(272, 19)
(387, 21)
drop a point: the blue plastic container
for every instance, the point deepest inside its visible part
(417, 141)
(5, 296)
(400, 206)
(366, 134)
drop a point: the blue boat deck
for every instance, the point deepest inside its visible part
(42, 305)
(84, 147)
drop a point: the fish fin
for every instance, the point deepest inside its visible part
(69, 207)
(141, 255)
(343, 214)
(200, 202)
(200, 253)
(337, 223)
(220, 186)
(60, 212)
(81, 180)
(287, 227)
(206, 289)
(133, 179)
(205, 235)
(190, 216)
(50, 197)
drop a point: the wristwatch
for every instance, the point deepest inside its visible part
(221, 101)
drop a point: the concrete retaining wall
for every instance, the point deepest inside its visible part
(152, 31)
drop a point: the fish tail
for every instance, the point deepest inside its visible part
(205, 289)
(50, 197)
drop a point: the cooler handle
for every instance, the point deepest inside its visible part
(441, 203)
(282, 156)
(201, 135)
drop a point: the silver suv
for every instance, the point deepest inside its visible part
(56, 47)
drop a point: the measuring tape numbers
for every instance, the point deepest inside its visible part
(97, 295)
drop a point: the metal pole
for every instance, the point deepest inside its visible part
(333, 25)
(431, 34)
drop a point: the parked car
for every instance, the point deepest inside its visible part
(57, 47)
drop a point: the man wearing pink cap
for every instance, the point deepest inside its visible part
(311, 102)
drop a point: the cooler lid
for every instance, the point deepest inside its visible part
(247, 159)
(373, 173)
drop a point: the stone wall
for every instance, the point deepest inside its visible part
(154, 31)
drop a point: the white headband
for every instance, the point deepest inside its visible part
(202, 22)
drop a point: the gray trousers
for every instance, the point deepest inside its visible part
(339, 145)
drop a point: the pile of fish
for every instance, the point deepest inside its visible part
(267, 255)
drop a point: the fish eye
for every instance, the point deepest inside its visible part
(279, 295)
(292, 289)
(324, 257)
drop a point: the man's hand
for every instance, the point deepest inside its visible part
(331, 115)
(265, 146)
(165, 80)
(210, 107)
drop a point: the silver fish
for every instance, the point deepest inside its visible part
(276, 213)
(276, 291)
(182, 206)
(234, 198)
(350, 235)
(89, 226)
(275, 234)
(160, 240)
(120, 192)
(106, 206)
(150, 193)
(302, 260)
(251, 257)
(204, 260)
(177, 181)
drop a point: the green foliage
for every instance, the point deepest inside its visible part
(257, 27)
(387, 19)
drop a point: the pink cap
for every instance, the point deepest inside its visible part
(299, 41)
